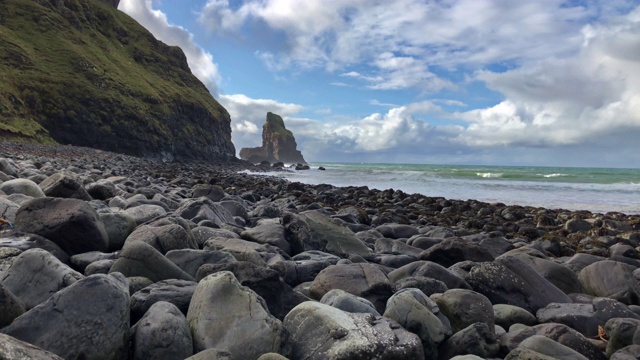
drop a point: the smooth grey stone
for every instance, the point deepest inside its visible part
(580, 261)
(70, 223)
(631, 352)
(453, 250)
(506, 315)
(562, 277)
(22, 186)
(244, 250)
(118, 226)
(476, 339)
(137, 283)
(35, 275)
(235, 208)
(162, 333)
(64, 185)
(163, 238)
(427, 285)
(211, 354)
(464, 307)
(177, 292)
(344, 301)
(496, 245)
(25, 241)
(397, 231)
(14, 349)
(508, 280)
(190, 260)
(81, 261)
(99, 303)
(203, 208)
(214, 192)
(272, 234)
(145, 212)
(140, 259)
(313, 230)
(11, 306)
(203, 233)
(8, 209)
(7, 167)
(577, 225)
(364, 280)
(611, 279)
(621, 333)
(224, 314)
(319, 331)
(412, 310)
(102, 189)
(544, 345)
(99, 267)
(431, 270)
(396, 247)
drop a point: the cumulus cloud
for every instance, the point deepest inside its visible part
(200, 61)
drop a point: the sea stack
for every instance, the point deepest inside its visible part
(278, 144)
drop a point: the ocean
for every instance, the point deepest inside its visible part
(598, 190)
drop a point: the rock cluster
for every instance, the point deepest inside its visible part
(116, 257)
(278, 145)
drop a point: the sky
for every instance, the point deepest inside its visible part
(483, 82)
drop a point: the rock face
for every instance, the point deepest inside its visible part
(278, 144)
(89, 97)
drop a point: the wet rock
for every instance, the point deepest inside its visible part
(464, 307)
(344, 301)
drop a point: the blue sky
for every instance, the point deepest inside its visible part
(498, 82)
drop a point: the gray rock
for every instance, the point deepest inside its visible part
(140, 259)
(22, 186)
(190, 260)
(223, 314)
(118, 226)
(102, 189)
(25, 241)
(269, 233)
(412, 310)
(464, 307)
(312, 230)
(431, 270)
(476, 339)
(8, 209)
(163, 238)
(99, 267)
(631, 352)
(544, 345)
(93, 315)
(454, 250)
(7, 167)
(213, 192)
(145, 212)
(577, 225)
(396, 247)
(203, 208)
(176, 292)
(14, 349)
(510, 281)
(320, 331)
(11, 306)
(507, 315)
(244, 250)
(427, 285)
(397, 231)
(203, 233)
(496, 245)
(211, 354)
(36, 275)
(81, 261)
(621, 333)
(162, 333)
(562, 277)
(70, 223)
(585, 317)
(611, 279)
(363, 280)
(344, 301)
(64, 185)
(580, 261)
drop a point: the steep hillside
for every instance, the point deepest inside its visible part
(81, 72)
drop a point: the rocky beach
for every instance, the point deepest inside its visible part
(109, 256)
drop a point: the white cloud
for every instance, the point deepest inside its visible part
(200, 61)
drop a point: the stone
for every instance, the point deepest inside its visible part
(145, 212)
(163, 238)
(269, 233)
(397, 231)
(621, 333)
(465, 307)
(92, 313)
(453, 250)
(510, 281)
(431, 270)
(507, 315)
(7, 167)
(203, 233)
(203, 208)
(176, 292)
(546, 347)
(320, 331)
(560, 276)
(611, 279)
(631, 352)
(11, 306)
(140, 259)
(211, 354)
(363, 280)
(137, 283)
(412, 310)
(577, 225)
(162, 333)
(428, 286)
(99, 267)
(476, 339)
(190, 260)
(213, 192)
(25, 241)
(81, 261)
(102, 189)
(396, 247)
(8, 209)
(118, 226)
(35, 275)
(278, 144)
(14, 349)
(224, 314)
(70, 223)
(344, 301)
(22, 186)
(244, 250)
(312, 230)
(64, 185)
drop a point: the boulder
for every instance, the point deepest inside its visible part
(64, 185)
(453, 250)
(14, 349)
(397, 231)
(560, 276)
(7, 167)
(465, 307)
(190, 260)
(8, 209)
(118, 226)
(344, 301)
(176, 292)
(22, 186)
(268, 233)
(140, 259)
(540, 347)
(507, 315)
(320, 331)
(203, 208)
(162, 333)
(621, 333)
(25, 241)
(70, 223)
(431, 270)
(102, 189)
(145, 212)
(611, 279)
(92, 313)
(224, 314)
(428, 286)
(11, 306)
(35, 275)
(213, 192)
(202, 233)
(631, 352)
(211, 354)
(363, 280)
(163, 238)
(476, 339)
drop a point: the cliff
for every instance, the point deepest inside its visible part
(81, 72)
(278, 144)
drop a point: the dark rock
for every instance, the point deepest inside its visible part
(560, 276)
(163, 238)
(93, 315)
(631, 352)
(70, 223)
(14, 349)
(22, 186)
(190, 260)
(102, 189)
(176, 292)
(476, 339)
(278, 144)
(25, 241)
(118, 225)
(507, 315)
(540, 347)
(145, 212)
(81, 261)
(162, 333)
(203, 208)
(397, 231)
(213, 192)
(621, 332)
(344, 301)
(431, 270)
(611, 279)
(99, 267)
(64, 186)
(428, 286)
(140, 259)
(464, 307)
(211, 354)
(11, 306)
(453, 250)
(268, 233)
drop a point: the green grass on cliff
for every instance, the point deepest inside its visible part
(82, 68)
(275, 122)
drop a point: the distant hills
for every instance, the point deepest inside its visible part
(81, 72)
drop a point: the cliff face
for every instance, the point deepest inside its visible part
(278, 144)
(81, 72)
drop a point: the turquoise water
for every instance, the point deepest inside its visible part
(594, 189)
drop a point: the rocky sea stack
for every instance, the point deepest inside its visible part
(81, 72)
(278, 144)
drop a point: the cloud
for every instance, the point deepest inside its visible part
(200, 61)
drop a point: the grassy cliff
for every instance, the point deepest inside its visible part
(81, 72)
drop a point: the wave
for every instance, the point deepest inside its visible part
(553, 175)
(490, 175)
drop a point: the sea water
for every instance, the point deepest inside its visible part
(594, 189)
